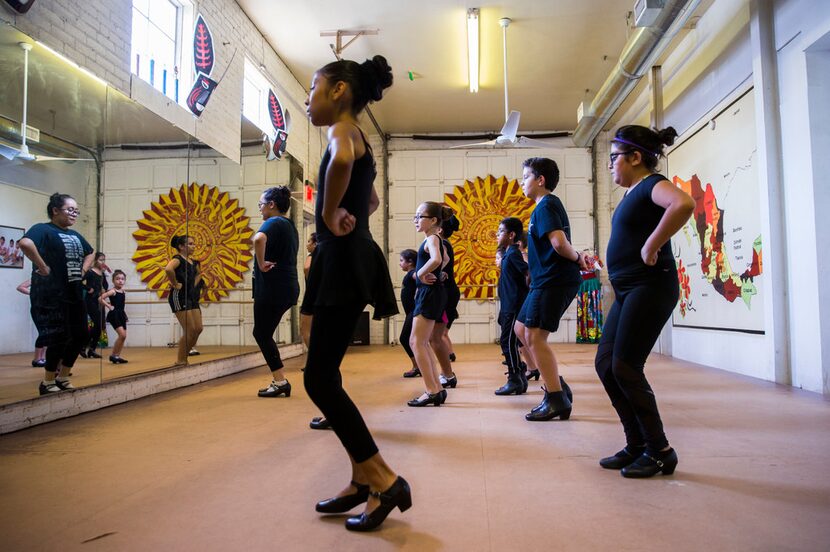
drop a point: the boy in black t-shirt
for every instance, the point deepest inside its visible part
(513, 288)
(554, 280)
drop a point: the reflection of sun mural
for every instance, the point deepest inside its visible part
(480, 206)
(217, 224)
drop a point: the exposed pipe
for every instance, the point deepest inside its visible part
(643, 48)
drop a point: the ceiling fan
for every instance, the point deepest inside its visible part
(23, 153)
(507, 137)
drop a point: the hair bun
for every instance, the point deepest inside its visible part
(378, 77)
(667, 136)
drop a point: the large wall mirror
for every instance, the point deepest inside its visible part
(138, 181)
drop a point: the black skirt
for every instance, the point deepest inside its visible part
(453, 298)
(430, 302)
(117, 318)
(350, 270)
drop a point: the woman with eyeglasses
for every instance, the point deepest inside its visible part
(276, 287)
(60, 256)
(644, 276)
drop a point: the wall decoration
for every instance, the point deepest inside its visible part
(10, 254)
(719, 251)
(281, 121)
(216, 222)
(480, 206)
(203, 59)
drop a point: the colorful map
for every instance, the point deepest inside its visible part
(719, 250)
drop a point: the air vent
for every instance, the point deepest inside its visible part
(32, 134)
(647, 11)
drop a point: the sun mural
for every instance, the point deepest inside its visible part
(215, 221)
(480, 206)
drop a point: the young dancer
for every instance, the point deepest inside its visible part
(114, 300)
(430, 299)
(39, 358)
(185, 279)
(95, 283)
(348, 272)
(408, 260)
(60, 256)
(512, 292)
(554, 279)
(276, 287)
(644, 276)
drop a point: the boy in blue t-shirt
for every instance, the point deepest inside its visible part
(554, 267)
(513, 287)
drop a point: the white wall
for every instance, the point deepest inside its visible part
(712, 63)
(421, 172)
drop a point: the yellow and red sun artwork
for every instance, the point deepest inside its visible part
(480, 206)
(217, 224)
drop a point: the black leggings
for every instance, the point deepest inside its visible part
(633, 325)
(96, 314)
(75, 338)
(331, 331)
(267, 317)
(406, 331)
(510, 344)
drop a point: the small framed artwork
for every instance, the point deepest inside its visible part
(10, 254)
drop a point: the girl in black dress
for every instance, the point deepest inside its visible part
(95, 283)
(348, 272)
(60, 256)
(114, 301)
(185, 282)
(644, 276)
(407, 263)
(430, 299)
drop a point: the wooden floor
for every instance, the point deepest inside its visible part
(214, 467)
(19, 380)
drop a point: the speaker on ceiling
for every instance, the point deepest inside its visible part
(20, 6)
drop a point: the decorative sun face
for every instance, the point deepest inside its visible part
(216, 223)
(480, 206)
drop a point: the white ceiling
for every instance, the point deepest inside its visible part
(557, 49)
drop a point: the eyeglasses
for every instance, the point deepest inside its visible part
(71, 211)
(613, 156)
(416, 217)
(260, 203)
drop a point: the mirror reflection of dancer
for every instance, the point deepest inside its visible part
(348, 272)
(185, 281)
(310, 247)
(430, 299)
(554, 266)
(59, 256)
(276, 288)
(39, 359)
(407, 262)
(114, 300)
(95, 283)
(644, 276)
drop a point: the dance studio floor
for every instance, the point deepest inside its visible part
(213, 467)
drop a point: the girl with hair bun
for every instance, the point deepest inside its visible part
(348, 272)
(185, 285)
(114, 301)
(642, 271)
(60, 256)
(430, 299)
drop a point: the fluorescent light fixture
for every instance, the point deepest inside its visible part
(472, 47)
(65, 59)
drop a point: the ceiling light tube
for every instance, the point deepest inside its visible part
(472, 47)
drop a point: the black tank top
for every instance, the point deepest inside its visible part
(356, 198)
(450, 268)
(423, 258)
(633, 221)
(185, 273)
(117, 301)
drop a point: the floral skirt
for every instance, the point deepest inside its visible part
(589, 311)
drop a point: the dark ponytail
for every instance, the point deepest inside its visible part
(649, 142)
(178, 241)
(367, 80)
(450, 225)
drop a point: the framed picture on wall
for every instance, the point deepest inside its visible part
(10, 254)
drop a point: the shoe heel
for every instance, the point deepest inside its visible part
(565, 414)
(405, 503)
(288, 393)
